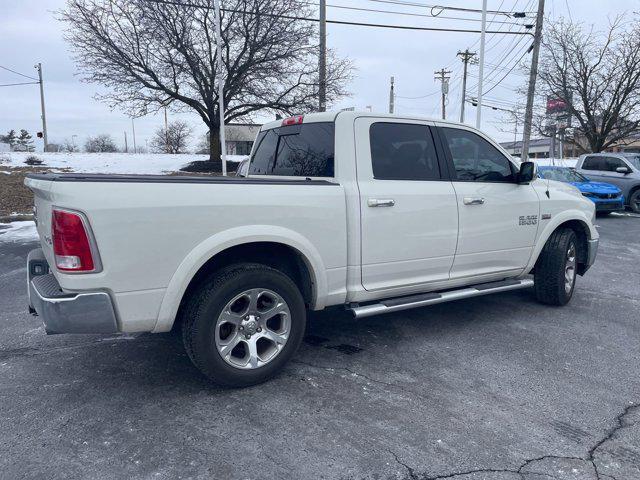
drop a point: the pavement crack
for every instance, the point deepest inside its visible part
(619, 424)
(410, 471)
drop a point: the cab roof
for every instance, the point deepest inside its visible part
(332, 116)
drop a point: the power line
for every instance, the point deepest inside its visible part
(510, 70)
(18, 73)
(445, 7)
(421, 96)
(15, 84)
(413, 14)
(337, 22)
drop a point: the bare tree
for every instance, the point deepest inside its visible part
(597, 75)
(151, 54)
(102, 143)
(68, 145)
(173, 139)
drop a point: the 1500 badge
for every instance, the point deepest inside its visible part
(529, 220)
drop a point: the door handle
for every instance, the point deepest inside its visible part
(473, 201)
(382, 202)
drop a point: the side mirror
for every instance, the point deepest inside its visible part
(624, 170)
(527, 172)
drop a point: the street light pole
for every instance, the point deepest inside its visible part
(322, 64)
(38, 67)
(220, 68)
(481, 68)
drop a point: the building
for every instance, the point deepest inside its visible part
(541, 148)
(240, 137)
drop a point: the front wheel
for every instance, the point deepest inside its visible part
(634, 201)
(556, 268)
(243, 324)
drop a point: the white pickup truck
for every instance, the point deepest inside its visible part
(372, 212)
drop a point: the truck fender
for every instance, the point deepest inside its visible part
(221, 241)
(550, 226)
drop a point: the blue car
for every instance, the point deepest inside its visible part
(607, 197)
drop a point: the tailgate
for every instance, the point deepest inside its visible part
(42, 212)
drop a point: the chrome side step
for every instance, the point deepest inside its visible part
(415, 301)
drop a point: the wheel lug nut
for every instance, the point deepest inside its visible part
(241, 327)
(247, 337)
(258, 329)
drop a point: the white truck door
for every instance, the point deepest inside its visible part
(498, 217)
(409, 216)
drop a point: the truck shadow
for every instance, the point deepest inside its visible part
(147, 362)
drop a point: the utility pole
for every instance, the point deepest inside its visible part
(126, 145)
(322, 67)
(392, 96)
(38, 67)
(133, 127)
(220, 68)
(481, 69)
(466, 57)
(533, 75)
(443, 76)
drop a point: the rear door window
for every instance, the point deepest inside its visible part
(305, 150)
(593, 163)
(403, 151)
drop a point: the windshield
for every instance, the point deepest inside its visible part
(634, 160)
(562, 175)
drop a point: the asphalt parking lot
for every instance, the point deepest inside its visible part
(495, 388)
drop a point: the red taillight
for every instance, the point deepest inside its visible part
(71, 245)
(297, 120)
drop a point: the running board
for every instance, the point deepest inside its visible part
(415, 301)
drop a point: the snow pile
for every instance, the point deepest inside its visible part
(21, 232)
(565, 162)
(115, 163)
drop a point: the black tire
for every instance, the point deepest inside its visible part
(634, 201)
(207, 302)
(550, 282)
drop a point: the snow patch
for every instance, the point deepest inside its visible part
(112, 163)
(21, 232)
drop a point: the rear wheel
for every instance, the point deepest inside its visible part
(243, 324)
(557, 267)
(634, 201)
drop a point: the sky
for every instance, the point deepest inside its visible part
(30, 33)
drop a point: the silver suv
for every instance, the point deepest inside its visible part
(620, 169)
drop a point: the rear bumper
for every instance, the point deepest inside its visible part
(62, 312)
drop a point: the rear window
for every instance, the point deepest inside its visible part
(305, 150)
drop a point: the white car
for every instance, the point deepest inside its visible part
(377, 213)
